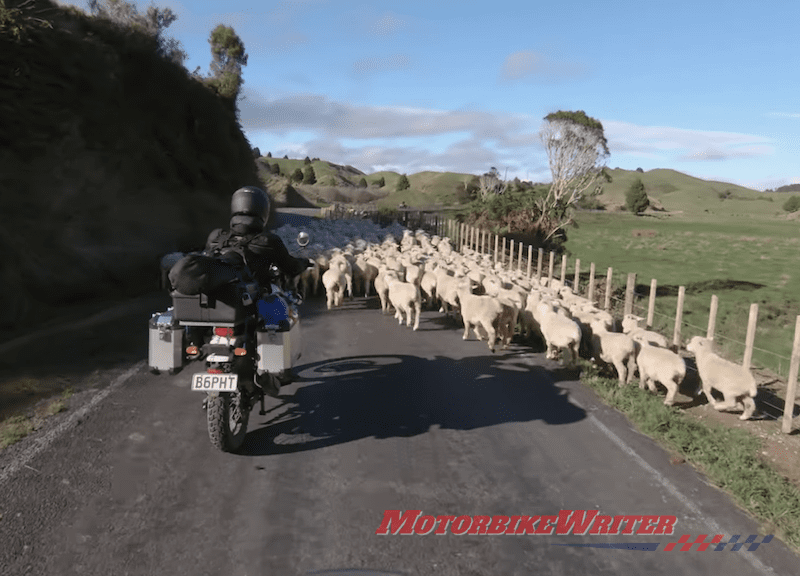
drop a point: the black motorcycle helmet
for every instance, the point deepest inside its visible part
(250, 208)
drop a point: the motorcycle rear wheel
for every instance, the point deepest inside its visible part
(227, 421)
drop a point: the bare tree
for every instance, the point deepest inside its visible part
(491, 183)
(577, 150)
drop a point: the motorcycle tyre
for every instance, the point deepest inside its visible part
(219, 424)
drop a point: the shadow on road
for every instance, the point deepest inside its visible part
(387, 396)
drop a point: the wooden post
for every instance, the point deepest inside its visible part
(629, 293)
(651, 305)
(530, 259)
(539, 262)
(511, 256)
(607, 303)
(590, 293)
(791, 384)
(577, 282)
(712, 317)
(503, 253)
(751, 336)
(676, 335)
(519, 260)
(550, 269)
(563, 270)
(496, 247)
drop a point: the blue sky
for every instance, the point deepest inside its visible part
(711, 89)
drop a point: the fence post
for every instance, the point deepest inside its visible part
(503, 253)
(712, 317)
(651, 305)
(511, 256)
(519, 260)
(496, 247)
(530, 259)
(676, 335)
(590, 294)
(629, 293)
(539, 264)
(751, 336)
(607, 303)
(577, 282)
(550, 269)
(563, 270)
(791, 384)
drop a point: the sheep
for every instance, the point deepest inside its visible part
(559, 333)
(736, 383)
(614, 348)
(483, 311)
(365, 271)
(308, 280)
(630, 326)
(382, 288)
(405, 298)
(660, 365)
(334, 281)
(341, 260)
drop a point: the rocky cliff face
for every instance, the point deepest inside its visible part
(110, 157)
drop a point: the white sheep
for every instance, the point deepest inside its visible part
(614, 348)
(560, 333)
(660, 365)
(479, 311)
(631, 327)
(405, 298)
(334, 281)
(736, 383)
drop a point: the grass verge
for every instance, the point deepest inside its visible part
(728, 457)
(15, 428)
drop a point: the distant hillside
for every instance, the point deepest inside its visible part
(110, 157)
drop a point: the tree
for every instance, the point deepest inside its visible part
(269, 154)
(792, 204)
(309, 177)
(307, 160)
(576, 150)
(491, 183)
(297, 175)
(403, 183)
(381, 182)
(228, 57)
(636, 199)
(153, 24)
(256, 152)
(362, 183)
(276, 168)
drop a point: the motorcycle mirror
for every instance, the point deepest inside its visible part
(303, 238)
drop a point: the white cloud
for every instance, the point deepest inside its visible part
(529, 64)
(784, 114)
(387, 24)
(682, 144)
(375, 64)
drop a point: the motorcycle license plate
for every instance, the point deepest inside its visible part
(214, 382)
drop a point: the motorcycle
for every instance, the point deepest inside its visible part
(248, 352)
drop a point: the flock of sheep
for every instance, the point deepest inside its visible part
(411, 270)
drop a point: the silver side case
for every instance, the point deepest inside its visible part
(166, 342)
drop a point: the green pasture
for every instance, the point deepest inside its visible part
(743, 260)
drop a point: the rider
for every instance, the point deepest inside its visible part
(248, 237)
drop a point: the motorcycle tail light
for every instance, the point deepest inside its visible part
(224, 332)
(192, 350)
(214, 371)
(240, 352)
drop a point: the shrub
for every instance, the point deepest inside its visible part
(362, 183)
(276, 168)
(307, 160)
(309, 177)
(792, 204)
(381, 182)
(403, 183)
(297, 175)
(636, 199)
